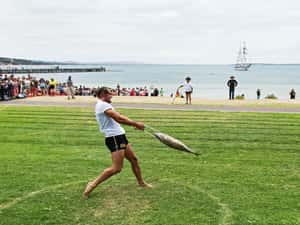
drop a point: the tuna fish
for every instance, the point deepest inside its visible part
(173, 142)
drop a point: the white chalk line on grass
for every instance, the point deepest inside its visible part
(224, 220)
(226, 211)
(31, 194)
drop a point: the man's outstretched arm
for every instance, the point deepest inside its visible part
(124, 120)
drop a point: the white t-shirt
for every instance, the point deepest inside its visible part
(188, 87)
(107, 125)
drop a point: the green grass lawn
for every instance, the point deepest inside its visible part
(248, 173)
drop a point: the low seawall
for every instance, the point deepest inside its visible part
(52, 70)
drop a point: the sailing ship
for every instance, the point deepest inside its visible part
(242, 63)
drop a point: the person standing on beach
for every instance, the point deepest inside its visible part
(52, 87)
(161, 92)
(118, 90)
(232, 84)
(70, 88)
(258, 93)
(115, 139)
(293, 94)
(188, 88)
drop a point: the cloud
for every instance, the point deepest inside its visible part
(159, 31)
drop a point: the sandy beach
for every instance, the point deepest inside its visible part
(166, 101)
(263, 105)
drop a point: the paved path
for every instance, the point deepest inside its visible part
(159, 106)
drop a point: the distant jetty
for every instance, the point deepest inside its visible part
(51, 70)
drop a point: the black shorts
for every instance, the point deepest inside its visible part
(188, 92)
(116, 143)
(51, 87)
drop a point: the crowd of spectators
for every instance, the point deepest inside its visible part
(12, 87)
(139, 91)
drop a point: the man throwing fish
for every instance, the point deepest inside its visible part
(115, 139)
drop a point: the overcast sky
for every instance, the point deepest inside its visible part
(154, 31)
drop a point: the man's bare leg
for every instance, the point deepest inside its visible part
(117, 164)
(131, 157)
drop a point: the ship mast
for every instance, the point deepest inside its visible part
(244, 53)
(242, 64)
(239, 57)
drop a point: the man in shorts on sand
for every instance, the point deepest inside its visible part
(188, 88)
(70, 88)
(115, 139)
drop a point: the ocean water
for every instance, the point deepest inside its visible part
(209, 81)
